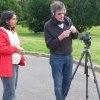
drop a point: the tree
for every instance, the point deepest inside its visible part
(84, 13)
(24, 6)
(11, 5)
(38, 13)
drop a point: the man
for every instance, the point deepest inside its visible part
(59, 32)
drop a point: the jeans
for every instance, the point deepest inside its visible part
(62, 72)
(10, 84)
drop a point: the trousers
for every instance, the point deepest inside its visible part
(62, 72)
(10, 84)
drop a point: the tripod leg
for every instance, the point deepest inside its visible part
(75, 71)
(86, 86)
(95, 80)
(78, 65)
(86, 72)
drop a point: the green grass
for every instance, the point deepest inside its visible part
(36, 43)
(32, 42)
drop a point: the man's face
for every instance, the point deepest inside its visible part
(59, 15)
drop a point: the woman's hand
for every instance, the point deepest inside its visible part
(20, 51)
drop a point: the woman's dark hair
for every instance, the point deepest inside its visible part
(6, 16)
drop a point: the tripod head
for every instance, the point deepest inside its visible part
(86, 39)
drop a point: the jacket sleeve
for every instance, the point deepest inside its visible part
(51, 41)
(6, 48)
(73, 35)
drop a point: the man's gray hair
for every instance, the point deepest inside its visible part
(57, 6)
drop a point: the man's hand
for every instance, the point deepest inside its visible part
(73, 29)
(64, 35)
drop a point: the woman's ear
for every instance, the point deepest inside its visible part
(7, 22)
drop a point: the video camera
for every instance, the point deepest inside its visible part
(86, 39)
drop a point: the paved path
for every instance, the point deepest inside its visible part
(35, 82)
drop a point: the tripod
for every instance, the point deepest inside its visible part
(87, 58)
(87, 55)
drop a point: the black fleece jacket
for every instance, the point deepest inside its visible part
(52, 31)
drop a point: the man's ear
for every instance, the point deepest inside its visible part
(53, 14)
(65, 11)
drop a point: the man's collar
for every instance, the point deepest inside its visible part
(61, 25)
(56, 21)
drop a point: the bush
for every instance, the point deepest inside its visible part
(11, 5)
(38, 14)
(84, 13)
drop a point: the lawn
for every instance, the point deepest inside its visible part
(36, 43)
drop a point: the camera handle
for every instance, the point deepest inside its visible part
(87, 58)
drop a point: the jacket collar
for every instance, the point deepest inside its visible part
(4, 33)
(56, 22)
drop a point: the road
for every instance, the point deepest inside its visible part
(35, 82)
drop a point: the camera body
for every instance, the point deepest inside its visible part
(86, 39)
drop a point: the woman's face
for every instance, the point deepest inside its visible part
(12, 22)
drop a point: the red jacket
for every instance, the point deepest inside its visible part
(6, 51)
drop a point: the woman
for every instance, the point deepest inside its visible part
(10, 54)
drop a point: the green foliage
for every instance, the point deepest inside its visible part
(84, 13)
(38, 13)
(11, 5)
(24, 6)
